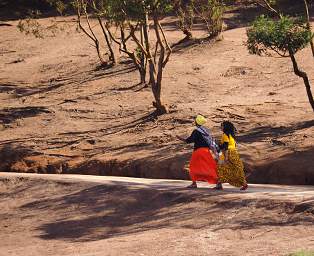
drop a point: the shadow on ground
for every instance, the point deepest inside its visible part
(75, 78)
(9, 115)
(292, 168)
(105, 211)
(263, 132)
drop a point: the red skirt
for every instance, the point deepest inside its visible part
(203, 166)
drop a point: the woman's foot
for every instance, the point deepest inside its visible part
(193, 185)
(218, 186)
(244, 187)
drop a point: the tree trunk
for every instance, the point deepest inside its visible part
(155, 73)
(112, 56)
(91, 35)
(103, 62)
(308, 23)
(143, 61)
(188, 34)
(302, 74)
(160, 108)
(151, 65)
(153, 77)
(139, 64)
(142, 76)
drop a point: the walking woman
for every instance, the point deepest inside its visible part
(230, 168)
(202, 164)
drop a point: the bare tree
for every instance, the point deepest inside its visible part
(157, 61)
(136, 55)
(210, 12)
(81, 9)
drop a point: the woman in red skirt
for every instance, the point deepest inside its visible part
(202, 165)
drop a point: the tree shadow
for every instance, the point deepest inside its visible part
(289, 169)
(241, 14)
(119, 127)
(260, 133)
(24, 90)
(131, 87)
(295, 8)
(123, 68)
(16, 89)
(10, 154)
(113, 210)
(75, 78)
(9, 115)
(285, 214)
(7, 87)
(11, 10)
(188, 43)
(104, 211)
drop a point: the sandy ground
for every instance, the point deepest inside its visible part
(92, 215)
(60, 113)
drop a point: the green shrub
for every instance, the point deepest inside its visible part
(302, 253)
(278, 35)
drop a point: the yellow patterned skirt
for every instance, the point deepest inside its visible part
(233, 172)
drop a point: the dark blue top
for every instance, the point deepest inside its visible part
(198, 140)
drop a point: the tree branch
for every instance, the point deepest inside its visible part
(163, 35)
(166, 42)
(111, 35)
(278, 52)
(269, 7)
(79, 21)
(87, 20)
(137, 41)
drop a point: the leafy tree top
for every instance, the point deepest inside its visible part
(284, 36)
(121, 10)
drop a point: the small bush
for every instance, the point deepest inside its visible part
(302, 253)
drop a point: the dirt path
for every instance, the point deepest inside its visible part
(256, 190)
(93, 215)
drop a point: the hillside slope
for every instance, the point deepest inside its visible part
(60, 113)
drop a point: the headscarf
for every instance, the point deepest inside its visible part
(200, 120)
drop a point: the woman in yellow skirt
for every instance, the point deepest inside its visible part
(230, 168)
